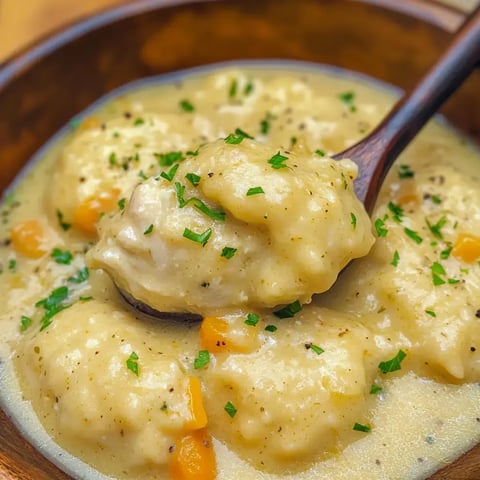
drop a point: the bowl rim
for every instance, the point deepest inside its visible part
(431, 11)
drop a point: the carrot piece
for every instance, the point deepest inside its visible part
(199, 416)
(467, 248)
(90, 123)
(89, 211)
(27, 238)
(193, 457)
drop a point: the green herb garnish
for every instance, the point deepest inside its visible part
(230, 409)
(121, 203)
(380, 227)
(201, 238)
(171, 173)
(186, 106)
(81, 276)
(413, 235)
(254, 191)
(63, 257)
(311, 346)
(361, 428)
(149, 229)
(65, 226)
(202, 359)
(393, 364)
(436, 229)
(193, 178)
(271, 328)
(348, 99)
(277, 161)
(289, 311)
(374, 389)
(132, 363)
(237, 137)
(404, 171)
(168, 159)
(353, 220)
(252, 319)
(395, 259)
(25, 322)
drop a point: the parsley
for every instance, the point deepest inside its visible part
(228, 252)
(436, 199)
(237, 137)
(254, 191)
(320, 153)
(121, 203)
(202, 359)
(413, 235)
(65, 226)
(395, 259)
(232, 92)
(265, 124)
(396, 210)
(197, 203)
(293, 142)
(361, 428)
(437, 270)
(81, 276)
(444, 254)
(62, 257)
(252, 319)
(437, 227)
(380, 228)
(353, 220)
(149, 229)
(12, 264)
(112, 159)
(404, 171)
(138, 121)
(348, 99)
(311, 346)
(85, 299)
(431, 313)
(25, 322)
(248, 88)
(201, 238)
(171, 173)
(289, 311)
(277, 161)
(230, 409)
(453, 281)
(193, 178)
(271, 328)
(132, 363)
(53, 304)
(374, 389)
(168, 159)
(142, 175)
(393, 364)
(186, 106)
(192, 153)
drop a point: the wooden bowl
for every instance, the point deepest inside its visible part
(46, 85)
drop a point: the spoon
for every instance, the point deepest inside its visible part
(375, 154)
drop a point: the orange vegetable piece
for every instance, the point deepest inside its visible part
(89, 211)
(27, 238)
(199, 416)
(90, 123)
(467, 248)
(193, 457)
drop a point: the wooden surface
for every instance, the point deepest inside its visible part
(24, 21)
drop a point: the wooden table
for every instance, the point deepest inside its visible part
(24, 21)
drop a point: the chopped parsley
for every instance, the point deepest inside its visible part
(431, 313)
(436, 199)
(201, 238)
(404, 171)
(248, 88)
(437, 270)
(62, 257)
(53, 304)
(396, 210)
(25, 322)
(232, 91)
(193, 178)
(436, 229)
(361, 428)
(254, 191)
(121, 203)
(348, 99)
(65, 226)
(374, 389)
(197, 203)
(353, 220)
(142, 175)
(265, 124)
(132, 363)
(289, 311)
(12, 264)
(252, 319)
(413, 235)
(277, 161)
(315, 348)
(171, 173)
(149, 229)
(228, 252)
(168, 159)
(380, 227)
(81, 276)
(319, 152)
(230, 409)
(271, 328)
(138, 121)
(444, 254)
(393, 364)
(237, 137)
(186, 106)
(112, 159)
(395, 259)
(202, 359)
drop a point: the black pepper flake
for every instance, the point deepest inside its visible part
(210, 174)
(377, 461)
(420, 459)
(477, 313)
(171, 448)
(473, 349)
(127, 115)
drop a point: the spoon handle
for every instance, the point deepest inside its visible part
(375, 154)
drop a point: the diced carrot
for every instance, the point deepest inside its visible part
(199, 417)
(90, 123)
(28, 238)
(193, 457)
(409, 199)
(89, 211)
(467, 247)
(219, 336)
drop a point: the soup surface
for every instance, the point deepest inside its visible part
(214, 193)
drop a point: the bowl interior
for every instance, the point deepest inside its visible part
(45, 87)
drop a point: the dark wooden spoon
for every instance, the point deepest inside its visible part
(375, 153)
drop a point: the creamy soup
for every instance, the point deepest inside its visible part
(215, 194)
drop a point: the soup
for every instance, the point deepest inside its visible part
(214, 193)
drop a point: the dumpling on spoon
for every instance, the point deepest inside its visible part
(236, 224)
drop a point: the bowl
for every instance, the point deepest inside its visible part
(43, 87)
